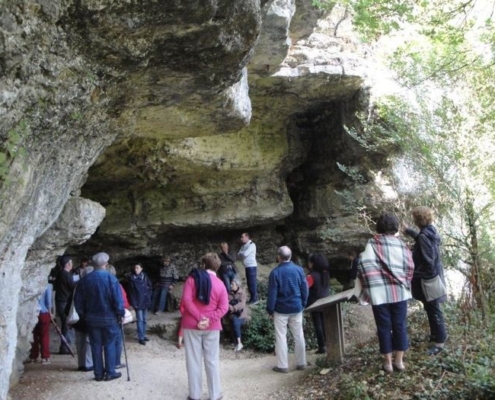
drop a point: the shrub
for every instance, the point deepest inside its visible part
(259, 334)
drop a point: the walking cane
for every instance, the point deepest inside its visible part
(64, 340)
(125, 352)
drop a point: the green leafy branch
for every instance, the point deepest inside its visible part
(11, 147)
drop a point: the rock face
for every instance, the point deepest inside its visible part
(189, 121)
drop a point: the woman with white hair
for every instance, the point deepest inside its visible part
(238, 312)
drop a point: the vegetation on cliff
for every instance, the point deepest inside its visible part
(441, 120)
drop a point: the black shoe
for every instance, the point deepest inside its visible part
(97, 379)
(112, 377)
(85, 369)
(322, 350)
(146, 339)
(142, 342)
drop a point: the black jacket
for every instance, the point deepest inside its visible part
(426, 257)
(64, 286)
(318, 290)
(227, 261)
(140, 291)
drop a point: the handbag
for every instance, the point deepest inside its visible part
(128, 317)
(433, 288)
(73, 316)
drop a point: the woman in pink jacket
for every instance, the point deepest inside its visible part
(205, 302)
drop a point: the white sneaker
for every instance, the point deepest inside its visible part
(45, 361)
(238, 347)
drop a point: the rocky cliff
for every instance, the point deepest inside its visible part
(186, 122)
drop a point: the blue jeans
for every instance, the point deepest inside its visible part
(251, 283)
(159, 298)
(103, 339)
(391, 325)
(227, 278)
(141, 324)
(436, 321)
(236, 327)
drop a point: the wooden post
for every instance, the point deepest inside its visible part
(334, 332)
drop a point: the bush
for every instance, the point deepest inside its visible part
(259, 333)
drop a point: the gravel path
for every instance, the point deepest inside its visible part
(158, 371)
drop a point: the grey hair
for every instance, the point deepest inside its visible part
(111, 269)
(237, 281)
(100, 259)
(285, 253)
(88, 270)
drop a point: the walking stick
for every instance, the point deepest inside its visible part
(125, 352)
(64, 340)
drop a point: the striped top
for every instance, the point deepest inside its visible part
(385, 270)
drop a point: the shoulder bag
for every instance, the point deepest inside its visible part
(433, 288)
(73, 316)
(128, 317)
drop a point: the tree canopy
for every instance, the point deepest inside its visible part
(442, 54)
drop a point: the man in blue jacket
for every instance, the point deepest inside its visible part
(99, 303)
(287, 297)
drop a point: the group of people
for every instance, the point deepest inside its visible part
(388, 272)
(391, 274)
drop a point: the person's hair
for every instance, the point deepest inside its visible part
(88, 270)
(64, 260)
(222, 243)
(247, 234)
(422, 216)
(320, 264)
(134, 266)
(387, 223)
(319, 261)
(84, 260)
(111, 269)
(237, 281)
(100, 259)
(285, 253)
(58, 262)
(211, 261)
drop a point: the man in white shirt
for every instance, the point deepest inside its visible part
(247, 254)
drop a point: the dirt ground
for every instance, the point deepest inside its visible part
(158, 371)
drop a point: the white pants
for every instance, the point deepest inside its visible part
(198, 344)
(295, 325)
